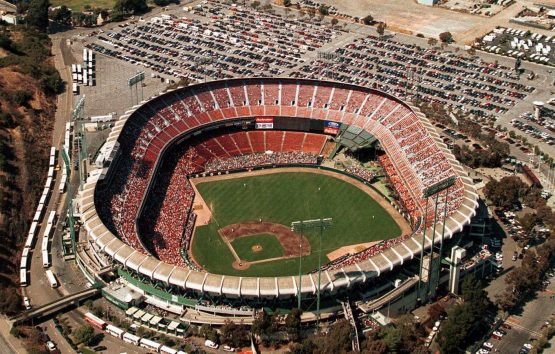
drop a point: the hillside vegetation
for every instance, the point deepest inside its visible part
(28, 87)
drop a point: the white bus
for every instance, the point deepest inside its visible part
(51, 217)
(48, 230)
(48, 182)
(23, 277)
(115, 331)
(131, 338)
(149, 344)
(63, 182)
(45, 259)
(30, 240)
(44, 246)
(51, 279)
(38, 214)
(167, 350)
(23, 264)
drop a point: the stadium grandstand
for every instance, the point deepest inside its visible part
(216, 127)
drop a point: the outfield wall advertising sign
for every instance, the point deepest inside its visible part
(331, 128)
(264, 122)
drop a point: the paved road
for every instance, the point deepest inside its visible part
(527, 324)
(8, 344)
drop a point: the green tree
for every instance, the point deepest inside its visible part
(261, 323)
(392, 338)
(130, 7)
(6, 41)
(324, 10)
(432, 41)
(381, 28)
(235, 335)
(368, 20)
(209, 333)
(505, 192)
(453, 334)
(446, 37)
(293, 324)
(62, 15)
(338, 339)
(84, 334)
(37, 15)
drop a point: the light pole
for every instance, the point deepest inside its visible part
(300, 226)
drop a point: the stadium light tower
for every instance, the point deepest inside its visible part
(300, 226)
(433, 191)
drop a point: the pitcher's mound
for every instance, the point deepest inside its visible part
(256, 248)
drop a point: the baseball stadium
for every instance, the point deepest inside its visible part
(229, 191)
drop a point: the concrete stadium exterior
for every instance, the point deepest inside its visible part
(287, 286)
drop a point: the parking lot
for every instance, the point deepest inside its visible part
(223, 41)
(522, 328)
(519, 43)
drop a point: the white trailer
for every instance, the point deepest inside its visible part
(45, 259)
(51, 278)
(23, 277)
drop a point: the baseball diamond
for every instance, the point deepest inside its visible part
(273, 201)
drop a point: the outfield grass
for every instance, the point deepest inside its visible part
(271, 248)
(282, 198)
(79, 5)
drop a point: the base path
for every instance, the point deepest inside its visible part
(289, 240)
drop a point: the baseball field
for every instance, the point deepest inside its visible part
(249, 230)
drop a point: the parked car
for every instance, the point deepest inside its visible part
(26, 303)
(208, 343)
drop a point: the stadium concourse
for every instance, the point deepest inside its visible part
(242, 123)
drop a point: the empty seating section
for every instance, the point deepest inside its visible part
(306, 93)
(257, 141)
(413, 160)
(271, 94)
(242, 142)
(313, 143)
(274, 140)
(338, 100)
(289, 94)
(293, 141)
